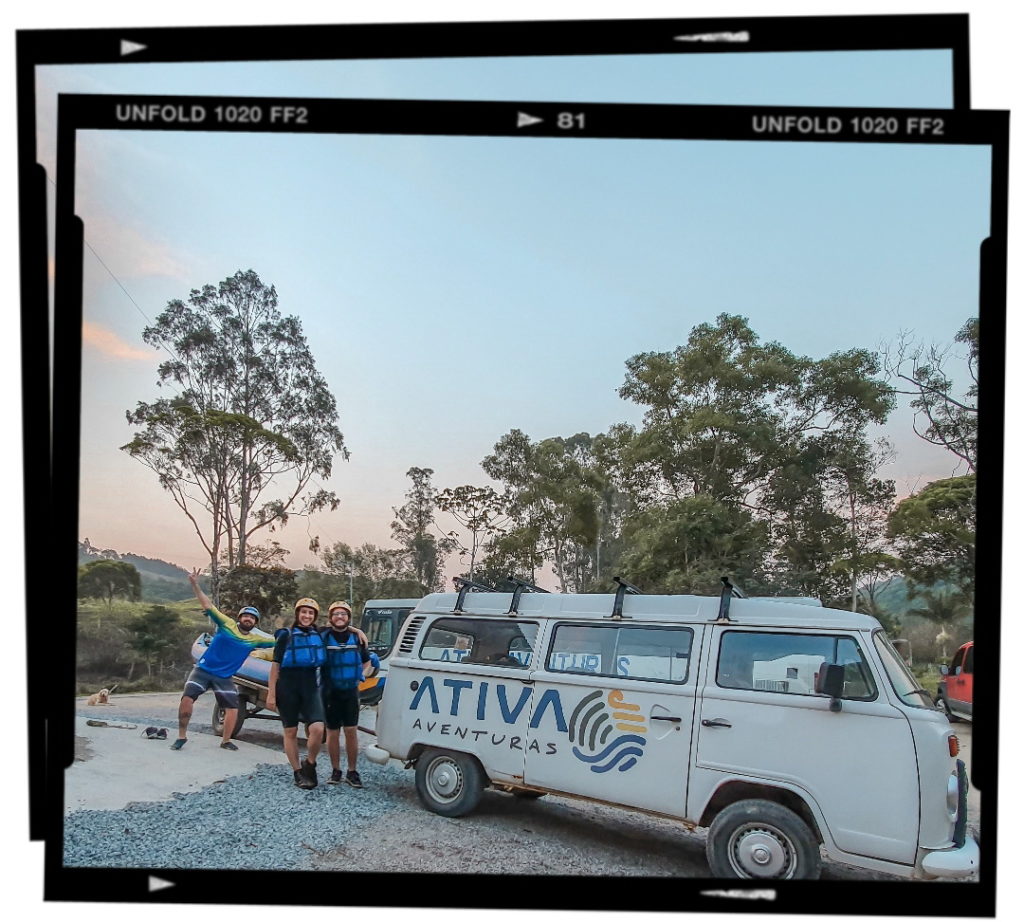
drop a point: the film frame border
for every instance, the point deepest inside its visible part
(373, 41)
(404, 117)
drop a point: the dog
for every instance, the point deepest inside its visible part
(101, 697)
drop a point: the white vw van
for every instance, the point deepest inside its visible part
(789, 730)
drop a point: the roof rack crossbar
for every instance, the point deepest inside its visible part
(620, 593)
(728, 591)
(465, 586)
(521, 587)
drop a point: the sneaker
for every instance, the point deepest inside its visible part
(227, 744)
(300, 779)
(336, 777)
(353, 778)
(177, 744)
(309, 771)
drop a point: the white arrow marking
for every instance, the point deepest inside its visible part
(158, 883)
(522, 120)
(130, 47)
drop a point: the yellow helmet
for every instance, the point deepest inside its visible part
(312, 603)
(334, 605)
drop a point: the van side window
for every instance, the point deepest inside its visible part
(480, 642)
(969, 661)
(958, 661)
(651, 653)
(789, 663)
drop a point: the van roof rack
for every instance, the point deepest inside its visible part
(728, 591)
(466, 585)
(521, 587)
(620, 593)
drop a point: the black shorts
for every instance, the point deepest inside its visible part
(341, 708)
(298, 697)
(199, 680)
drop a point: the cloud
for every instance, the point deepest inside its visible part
(128, 252)
(110, 344)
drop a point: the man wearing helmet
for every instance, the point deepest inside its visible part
(232, 642)
(348, 663)
(294, 690)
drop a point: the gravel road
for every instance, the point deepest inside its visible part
(261, 820)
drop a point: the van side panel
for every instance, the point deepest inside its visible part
(622, 737)
(485, 713)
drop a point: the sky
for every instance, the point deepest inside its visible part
(389, 249)
(452, 289)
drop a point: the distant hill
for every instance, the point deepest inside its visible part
(897, 602)
(161, 581)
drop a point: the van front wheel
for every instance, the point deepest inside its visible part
(760, 839)
(448, 783)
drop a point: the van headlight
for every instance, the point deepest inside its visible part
(952, 796)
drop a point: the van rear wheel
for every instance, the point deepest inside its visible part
(762, 840)
(449, 783)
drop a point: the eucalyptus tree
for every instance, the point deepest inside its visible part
(253, 426)
(413, 528)
(945, 414)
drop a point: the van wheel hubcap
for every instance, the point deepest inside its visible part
(444, 780)
(757, 851)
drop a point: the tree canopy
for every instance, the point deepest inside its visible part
(252, 423)
(105, 579)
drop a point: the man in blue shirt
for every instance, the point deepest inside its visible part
(232, 642)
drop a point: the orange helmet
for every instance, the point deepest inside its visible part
(342, 605)
(311, 603)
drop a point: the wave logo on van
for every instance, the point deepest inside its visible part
(592, 724)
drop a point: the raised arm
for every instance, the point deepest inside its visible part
(204, 599)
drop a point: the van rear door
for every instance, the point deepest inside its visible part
(612, 715)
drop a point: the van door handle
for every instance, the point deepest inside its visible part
(717, 722)
(674, 720)
(527, 681)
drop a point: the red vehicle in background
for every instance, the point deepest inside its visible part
(956, 687)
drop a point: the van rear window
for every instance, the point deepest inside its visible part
(482, 642)
(653, 653)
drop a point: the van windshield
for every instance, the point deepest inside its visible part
(902, 679)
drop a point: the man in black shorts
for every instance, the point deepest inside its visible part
(348, 663)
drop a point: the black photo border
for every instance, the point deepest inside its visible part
(398, 117)
(362, 41)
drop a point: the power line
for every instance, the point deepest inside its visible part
(120, 284)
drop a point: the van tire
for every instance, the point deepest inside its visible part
(762, 840)
(448, 783)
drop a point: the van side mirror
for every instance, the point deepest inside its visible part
(830, 681)
(943, 670)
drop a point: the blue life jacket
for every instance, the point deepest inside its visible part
(344, 661)
(305, 650)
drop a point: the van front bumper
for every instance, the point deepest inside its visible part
(953, 862)
(377, 755)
